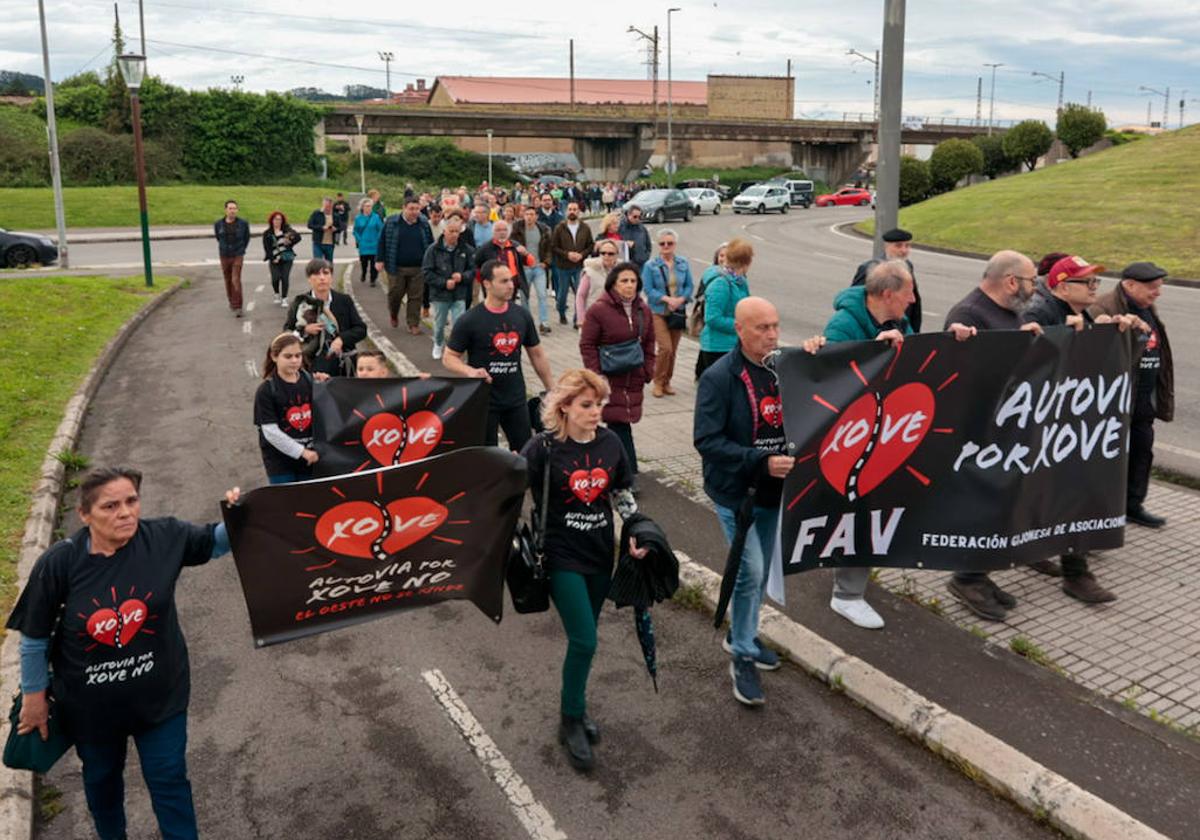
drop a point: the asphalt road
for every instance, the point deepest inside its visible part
(343, 734)
(800, 264)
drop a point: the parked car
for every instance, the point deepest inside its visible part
(745, 185)
(801, 190)
(21, 249)
(762, 198)
(703, 200)
(659, 206)
(845, 196)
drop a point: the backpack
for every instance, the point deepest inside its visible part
(696, 317)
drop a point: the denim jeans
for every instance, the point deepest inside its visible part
(164, 767)
(535, 284)
(443, 310)
(566, 281)
(323, 251)
(751, 581)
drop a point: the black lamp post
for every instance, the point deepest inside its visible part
(133, 70)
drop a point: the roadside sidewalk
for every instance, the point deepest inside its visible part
(1142, 652)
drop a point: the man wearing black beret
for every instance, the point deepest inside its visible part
(1141, 284)
(897, 244)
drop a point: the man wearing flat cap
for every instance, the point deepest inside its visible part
(897, 244)
(1141, 284)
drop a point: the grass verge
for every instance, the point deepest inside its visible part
(54, 329)
(1123, 204)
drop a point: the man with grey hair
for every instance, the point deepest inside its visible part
(897, 245)
(1008, 284)
(873, 311)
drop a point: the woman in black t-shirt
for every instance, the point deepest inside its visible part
(283, 412)
(588, 475)
(99, 629)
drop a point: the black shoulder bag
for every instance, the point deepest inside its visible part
(624, 356)
(528, 583)
(676, 318)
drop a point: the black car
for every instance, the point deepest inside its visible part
(18, 250)
(660, 205)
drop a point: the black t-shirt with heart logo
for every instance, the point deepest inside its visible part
(120, 662)
(493, 341)
(768, 428)
(289, 406)
(579, 524)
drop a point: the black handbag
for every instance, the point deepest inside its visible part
(29, 751)
(528, 583)
(676, 318)
(623, 356)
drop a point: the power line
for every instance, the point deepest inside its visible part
(269, 57)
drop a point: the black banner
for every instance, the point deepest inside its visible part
(333, 552)
(974, 455)
(361, 424)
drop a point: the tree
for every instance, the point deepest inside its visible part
(1080, 127)
(996, 161)
(1027, 141)
(951, 161)
(915, 181)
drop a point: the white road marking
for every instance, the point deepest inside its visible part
(252, 369)
(259, 287)
(831, 256)
(532, 815)
(247, 327)
(1177, 450)
(931, 313)
(250, 306)
(759, 238)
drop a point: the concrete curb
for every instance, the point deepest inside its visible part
(986, 759)
(16, 786)
(979, 755)
(849, 228)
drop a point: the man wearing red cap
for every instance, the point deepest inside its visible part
(1141, 284)
(1073, 282)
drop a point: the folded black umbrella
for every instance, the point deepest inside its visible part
(743, 520)
(644, 626)
(654, 578)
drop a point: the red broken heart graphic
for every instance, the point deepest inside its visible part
(891, 434)
(352, 527)
(588, 485)
(506, 342)
(299, 417)
(772, 411)
(390, 439)
(116, 628)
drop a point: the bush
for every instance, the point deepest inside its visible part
(996, 161)
(91, 157)
(23, 149)
(951, 161)
(915, 180)
(1027, 141)
(1080, 127)
(439, 161)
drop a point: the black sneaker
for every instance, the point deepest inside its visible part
(1003, 598)
(591, 729)
(573, 737)
(765, 660)
(1086, 588)
(544, 329)
(747, 687)
(562, 319)
(978, 598)
(1048, 567)
(1138, 515)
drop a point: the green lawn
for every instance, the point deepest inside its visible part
(54, 329)
(1131, 202)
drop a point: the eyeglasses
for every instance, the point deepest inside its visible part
(1091, 282)
(608, 253)
(666, 244)
(1032, 279)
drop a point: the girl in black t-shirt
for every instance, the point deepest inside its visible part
(283, 412)
(588, 475)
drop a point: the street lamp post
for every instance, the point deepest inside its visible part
(60, 217)
(489, 135)
(387, 58)
(133, 70)
(1166, 95)
(670, 149)
(891, 99)
(1061, 79)
(237, 80)
(362, 169)
(992, 102)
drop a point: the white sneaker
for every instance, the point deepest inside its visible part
(858, 612)
(277, 298)
(283, 302)
(437, 351)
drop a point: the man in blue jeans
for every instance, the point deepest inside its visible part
(738, 431)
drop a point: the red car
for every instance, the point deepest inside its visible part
(844, 196)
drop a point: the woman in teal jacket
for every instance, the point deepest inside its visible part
(367, 227)
(723, 286)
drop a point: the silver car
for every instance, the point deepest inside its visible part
(761, 198)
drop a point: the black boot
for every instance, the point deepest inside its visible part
(592, 729)
(573, 736)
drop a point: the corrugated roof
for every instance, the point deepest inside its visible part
(502, 90)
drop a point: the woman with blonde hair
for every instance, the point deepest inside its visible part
(723, 284)
(588, 475)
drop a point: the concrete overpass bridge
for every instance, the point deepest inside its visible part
(615, 147)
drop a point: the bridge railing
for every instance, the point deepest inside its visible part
(916, 123)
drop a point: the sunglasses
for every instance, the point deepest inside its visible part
(667, 244)
(1091, 282)
(608, 253)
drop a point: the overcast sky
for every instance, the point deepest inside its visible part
(1108, 47)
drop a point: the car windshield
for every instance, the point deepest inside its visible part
(756, 191)
(650, 195)
(695, 192)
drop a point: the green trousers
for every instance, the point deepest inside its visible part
(578, 599)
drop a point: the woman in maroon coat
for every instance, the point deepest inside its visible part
(621, 316)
